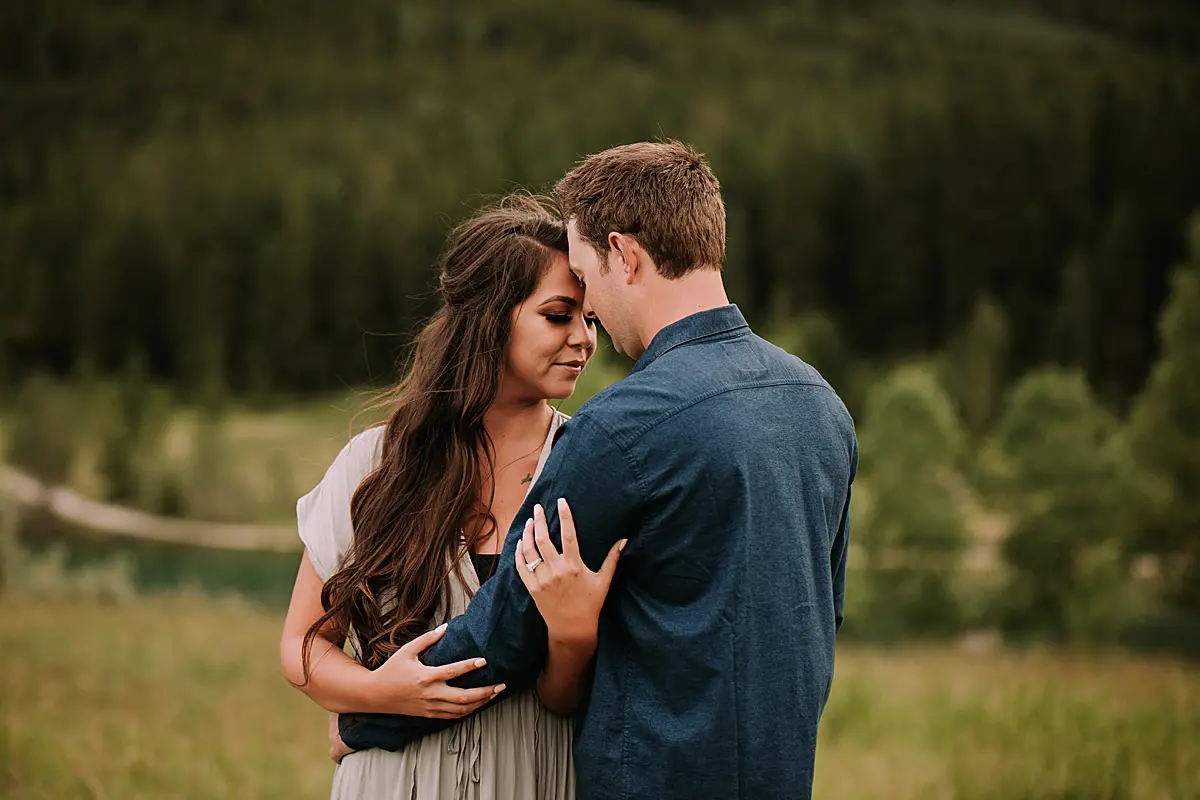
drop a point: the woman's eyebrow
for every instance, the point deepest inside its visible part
(570, 301)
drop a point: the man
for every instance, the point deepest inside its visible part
(727, 465)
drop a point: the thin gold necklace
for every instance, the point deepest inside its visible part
(500, 539)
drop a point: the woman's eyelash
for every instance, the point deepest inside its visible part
(563, 319)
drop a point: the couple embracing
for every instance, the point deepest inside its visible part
(640, 601)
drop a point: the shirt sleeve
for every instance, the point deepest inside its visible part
(502, 623)
(323, 515)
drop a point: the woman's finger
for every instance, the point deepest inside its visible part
(519, 555)
(456, 670)
(609, 567)
(528, 576)
(527, 542)
(541, 535)
(566, 522)
(466, 697)
(423, 642)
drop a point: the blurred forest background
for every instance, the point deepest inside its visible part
(978, 219)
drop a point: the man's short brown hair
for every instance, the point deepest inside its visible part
(662, 193)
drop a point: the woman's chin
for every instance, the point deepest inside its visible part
(561, 390)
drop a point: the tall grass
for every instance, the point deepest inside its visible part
(171, 697)
(180, 696)
(929, 723)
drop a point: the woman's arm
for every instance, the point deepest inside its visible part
(338, 683)
(567, 673)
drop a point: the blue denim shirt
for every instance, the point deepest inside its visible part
(727, 463)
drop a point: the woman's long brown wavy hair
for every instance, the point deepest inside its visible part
(409, 513)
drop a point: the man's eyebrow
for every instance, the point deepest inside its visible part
(570, 301)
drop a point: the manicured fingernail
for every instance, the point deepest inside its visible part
(562, 505)
(500, 688)
(621, 544)
(538, 510)
(528, 524)
(480, 662)
(443, 627)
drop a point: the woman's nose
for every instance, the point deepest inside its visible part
(583, 334)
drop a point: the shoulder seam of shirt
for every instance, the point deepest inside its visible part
(675, 410)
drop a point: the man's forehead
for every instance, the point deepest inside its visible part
(579, 249)
(576, 248)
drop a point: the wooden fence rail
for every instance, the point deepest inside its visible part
(70, 507)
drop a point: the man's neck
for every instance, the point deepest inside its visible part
(668, 301)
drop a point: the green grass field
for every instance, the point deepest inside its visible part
(180, 696)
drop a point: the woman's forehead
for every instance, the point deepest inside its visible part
(557, 279)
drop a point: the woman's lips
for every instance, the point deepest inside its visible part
(574, 369)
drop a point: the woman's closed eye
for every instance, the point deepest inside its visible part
(565, 319)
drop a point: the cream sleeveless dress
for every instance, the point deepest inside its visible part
(514, 750)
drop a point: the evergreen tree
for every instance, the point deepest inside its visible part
(43, 429)
(975, 366)
(1074, 339)
(912, 530)
(1057, 466)
(1119, 279)
(250, 226)
(130, 447)
(1166, 433)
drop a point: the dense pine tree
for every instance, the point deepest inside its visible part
(255, 193)
(1166, 433)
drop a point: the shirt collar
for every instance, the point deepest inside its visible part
(695, 326)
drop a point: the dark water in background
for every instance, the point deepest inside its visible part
(263, 578)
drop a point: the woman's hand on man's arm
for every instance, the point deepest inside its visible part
(403, 685)
(338, 683)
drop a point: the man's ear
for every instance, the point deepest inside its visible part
(628, 252)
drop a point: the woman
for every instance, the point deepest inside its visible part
(412, 515)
